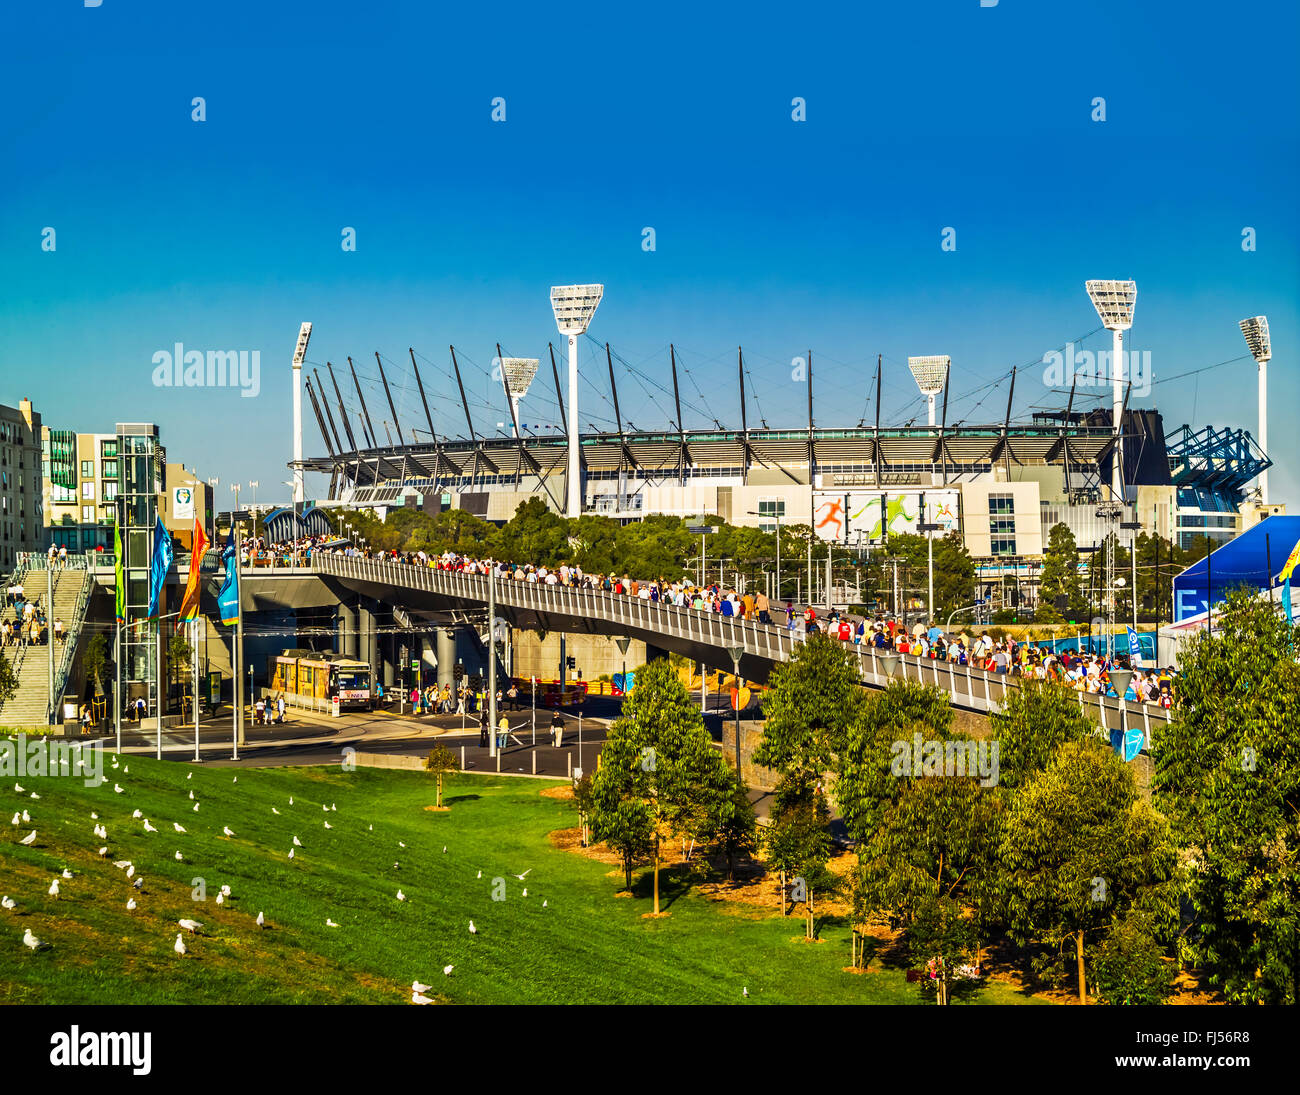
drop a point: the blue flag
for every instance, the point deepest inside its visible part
(1134, 649)
(159, 565)
(228, 594)
(1134, 739)
(1286, 601)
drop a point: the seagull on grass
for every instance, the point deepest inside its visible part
(180, 858)
(29, 940)
(137, 815)
(525, 891)
(325, 808)
(191, 796)
(446, 970)
(149, 828)
(275, 811)
(191, 926)
(420, 998)
(401, 896)
(67, 873)
(235, 780)
(103, 852)
(261, 920)
(126, 769)
(94, 816)
(130, 870)
(521, 877)
(196, 807)
(179, 946)
(8, 902)
(30, 838)
(225, 891)
(328, 825)
(138, 884)
(117, 789)
(543, 904)
(122, 864)
(130, 905)
(480, 874)
(35, 795)
(401, 844)
(17, 819)
(297, 843)
(472, 930)
(330, 923)
(334, 808)
(417, 986)
(290, 853)
(189, 775)
(27, 816)
(20, 789)
(226, 829)
(221, 899)
(291, 800)
(178, 828)
(53, 891)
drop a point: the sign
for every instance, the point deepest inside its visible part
(1134, 649)
(740, 699)
(844, 516)
(183, 503)
(701, 530)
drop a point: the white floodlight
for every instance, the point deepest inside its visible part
(1114, 301)
(1261, 349)
(517, 373)
(931, 375)
(299, 356)
(574, 305)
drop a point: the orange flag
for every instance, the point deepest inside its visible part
(190, 602)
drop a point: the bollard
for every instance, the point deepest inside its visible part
(570, 758)
(498, 760)
(534, 762)
(462, 758)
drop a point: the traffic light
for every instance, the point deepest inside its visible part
(572, 662)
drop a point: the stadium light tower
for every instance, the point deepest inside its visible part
(299, 356)
(1261, 348)
(517, 373)
(931, 375)
(1114, 301)
(574, 305)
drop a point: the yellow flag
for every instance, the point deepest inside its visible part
(1292, 561)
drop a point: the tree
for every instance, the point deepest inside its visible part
(809, 704)
(535, 534)
(1037, 718)
(8, 682)
(798, 842)
(659, 773)
(1080, 847)
(1129, 966)
(440, 761)
(736, 828)
(954, 569)
(1227, 774)
(94, 659)
(1060, 574)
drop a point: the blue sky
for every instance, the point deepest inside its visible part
(772, 234)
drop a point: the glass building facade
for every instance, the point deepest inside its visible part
(140, 463)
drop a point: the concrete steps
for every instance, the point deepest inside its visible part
(29, 706)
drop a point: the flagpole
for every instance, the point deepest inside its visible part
(117, 683)
(194, 659)
(158, 688)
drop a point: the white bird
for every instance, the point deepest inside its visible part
(480, 874)
(221, 899)
(444, 848)
(103, 852)
(744, 991)
(126, 769)
(30, 838)
(290, 853)
(180, 858)
(137, 815)
(401, 896)
(19, 788)
(325, 808)
(275, 811)
(117, 788)
(225, 891)
(138, 883)
(261, 920)
(121, 864)
(101, 832)
(330, 923)
(180, 947)
(191, 796)
(328, 825)
(417, 986)
(29, 940)
(226, 829)
(400, 844)
(525, 891)
(130, 870)
(291, 800)
(420, 998)
(8, 902)
(189, 775)
(35, 795)
(370, 828)
(178, 828)
(94, 816)
(67, 873)
(53, 891)
(334, 808)
(190, 926)
(543, 904)
(235, 780)
(196, 807)
(27, 816)
(446, 970)
(130, 904)
(297, 843)
(17, 819)
(396, 866)
(521, 877)
(472, 930)
(149, 828)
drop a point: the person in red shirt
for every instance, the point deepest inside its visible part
(845, 631)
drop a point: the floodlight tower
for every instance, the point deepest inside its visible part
(931, 376)
(517, 373)
(574, 305)
(1261, 348)
(299, 356)
(1114, 301)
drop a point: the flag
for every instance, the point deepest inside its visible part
(190, 602)
(1286, 601)
(1134, 740)
(159, 565)
(119, 575)
(228, 595)
(1134, 649)
(1292, 561)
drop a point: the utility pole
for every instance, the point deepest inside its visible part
(492, 659)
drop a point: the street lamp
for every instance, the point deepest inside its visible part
(931, 375)
(1114, 301)
(574, 305)
(253, 484)
(623, 644)
(1261, 348)
(929, 528)
(735, 653)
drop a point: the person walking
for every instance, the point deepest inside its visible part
(279, 708)
(503, 733)
(483, 729)
(557, 728)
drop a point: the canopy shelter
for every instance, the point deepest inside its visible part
(284, 524)
(1253, 560)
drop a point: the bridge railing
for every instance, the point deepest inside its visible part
(967, 686)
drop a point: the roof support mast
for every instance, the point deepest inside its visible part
(392, 410)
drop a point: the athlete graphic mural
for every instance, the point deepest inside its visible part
(841, 517)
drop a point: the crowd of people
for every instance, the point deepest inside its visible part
(26, 623)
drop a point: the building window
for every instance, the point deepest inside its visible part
(87, 469)
(110, 469)
(108, 450)
(110, 492)
(1002, 503)
(771, 507)
(1002, 545)
(88, 513)
(1002, 526)
(88, 489)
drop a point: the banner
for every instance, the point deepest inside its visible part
(228, 595)
(1134, 649)
(1286, 601)
(842, 517)
(159, 565)
(1292, 561)
(190, 602)
(119, 576)
(182, 504)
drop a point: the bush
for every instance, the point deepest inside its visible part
(1129, 966)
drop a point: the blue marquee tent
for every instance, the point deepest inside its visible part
(1247, 561)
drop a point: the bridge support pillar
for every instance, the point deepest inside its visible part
(368, 651)
(445, 651)
(347, 635)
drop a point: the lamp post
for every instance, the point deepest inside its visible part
(574, 306)
(1114, 301)
(237, 660)
(623, 644)
(253, 484)
(735, 653)
(1261, 348)
(929, 528)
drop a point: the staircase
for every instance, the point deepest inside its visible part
(30, 704)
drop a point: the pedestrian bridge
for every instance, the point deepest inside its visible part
(707, 637)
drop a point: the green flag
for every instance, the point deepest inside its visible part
(119, 577)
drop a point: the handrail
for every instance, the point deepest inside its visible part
(69, 643)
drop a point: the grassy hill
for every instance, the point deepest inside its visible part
(585, 946)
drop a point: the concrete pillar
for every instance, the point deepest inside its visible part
(367, 651)
(347, 635)
(445, 651)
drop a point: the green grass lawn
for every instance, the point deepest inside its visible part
(585, 946)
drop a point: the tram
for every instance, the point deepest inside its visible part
(321, 676)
